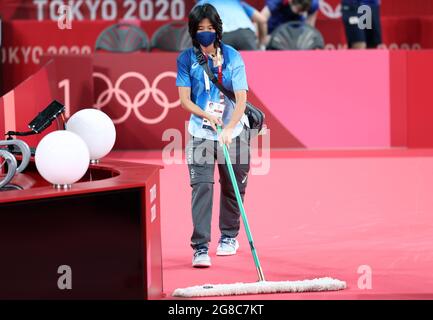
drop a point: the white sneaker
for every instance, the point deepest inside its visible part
(201, 258)
(227, 246)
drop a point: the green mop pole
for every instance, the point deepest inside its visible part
(242, 209)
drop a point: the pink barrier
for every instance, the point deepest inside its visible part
(326, 99)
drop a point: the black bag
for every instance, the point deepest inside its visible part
(255, 116)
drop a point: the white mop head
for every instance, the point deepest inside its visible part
(261, 287)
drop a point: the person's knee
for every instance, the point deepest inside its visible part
(202, 187)
(359, 45)
(242, 182)
(201, 173)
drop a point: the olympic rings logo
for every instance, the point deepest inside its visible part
(328, 11)
(140, 99)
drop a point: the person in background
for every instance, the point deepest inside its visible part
(277, 12)
(239, 18)
(359, 37)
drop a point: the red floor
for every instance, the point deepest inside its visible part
(316, 214)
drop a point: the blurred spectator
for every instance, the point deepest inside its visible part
(277, 12)
(238, 23)
(360, 36)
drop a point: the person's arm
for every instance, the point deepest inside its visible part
(263, 27)
(258, 19)
(311, 19)
(241, 104)
(253, 13)
(187, 104)
(240, 87)
(312, 13)
(241, 100)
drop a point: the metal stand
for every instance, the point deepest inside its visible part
(62, 186)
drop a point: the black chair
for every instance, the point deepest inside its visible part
(173, 36)
(296, 35)
(122, 37)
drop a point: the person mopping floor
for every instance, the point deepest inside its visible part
(202, 98)
(210, 110)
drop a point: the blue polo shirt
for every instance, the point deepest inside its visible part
(235, 14)
(191, 74)
(281, 12)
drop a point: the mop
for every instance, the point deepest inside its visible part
(261, 286)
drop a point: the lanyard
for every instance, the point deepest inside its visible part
(206, 77)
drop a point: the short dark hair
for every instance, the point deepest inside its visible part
(304, 4)
(197, 14)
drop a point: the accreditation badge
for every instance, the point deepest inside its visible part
(216, 109)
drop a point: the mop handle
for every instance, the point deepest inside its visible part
(242, 209)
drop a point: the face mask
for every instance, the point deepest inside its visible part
(206, 38)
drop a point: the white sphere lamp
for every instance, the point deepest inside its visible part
(62, 158)
(96, 128)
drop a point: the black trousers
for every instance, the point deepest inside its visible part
(372, 37)
(201, 157)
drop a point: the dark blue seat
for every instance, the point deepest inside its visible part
(173, 36)
(296, 35)
(122, 37)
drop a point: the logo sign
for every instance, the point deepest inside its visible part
(329, 11)
(135, 104)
